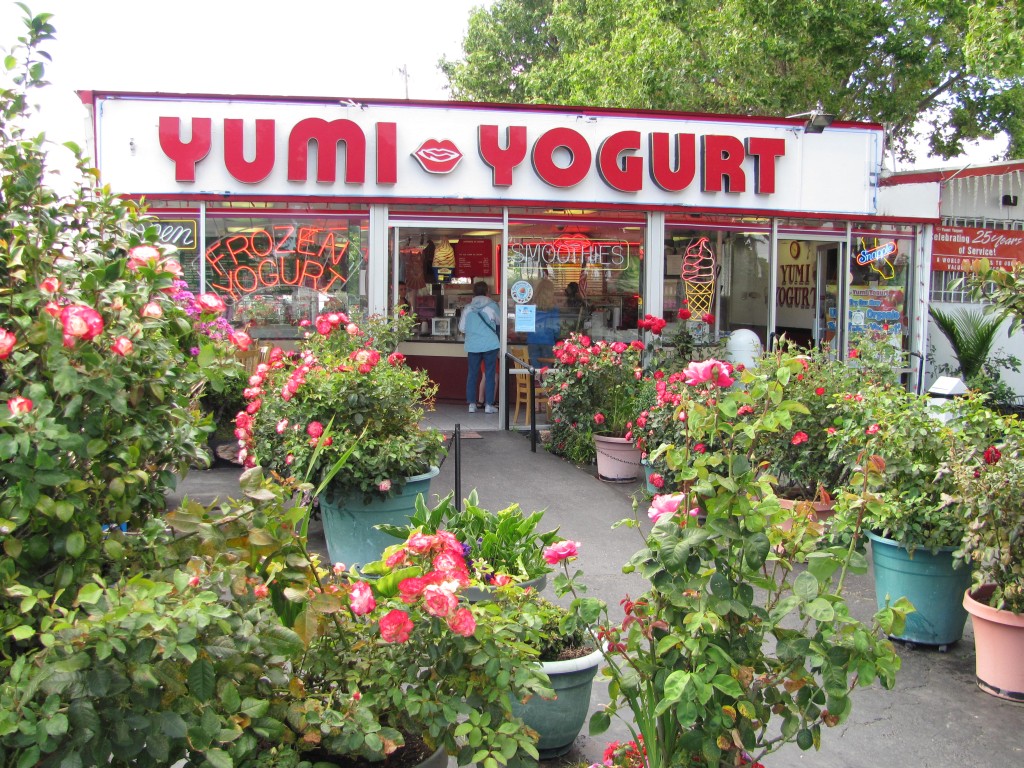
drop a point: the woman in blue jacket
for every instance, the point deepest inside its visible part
(479, 323)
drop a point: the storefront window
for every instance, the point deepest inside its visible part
(275, 271)
(718, 270)
(880, 283)
(568, 275)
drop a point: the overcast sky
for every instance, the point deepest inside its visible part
(342, 48)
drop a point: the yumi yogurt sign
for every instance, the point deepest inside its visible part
(211, 146)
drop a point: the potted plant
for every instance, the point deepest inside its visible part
(990, 480)
(597, 390)
(500, 548)
(732, 650)
(914, 521)
(568, 658)
(346, 391)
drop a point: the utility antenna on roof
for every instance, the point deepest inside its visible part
(404, 72)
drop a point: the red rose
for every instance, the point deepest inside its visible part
(210, 302)
(462, 622)
(395, 627)
(19, 405)
(80, 322)
(992, 455)
(122, 346)
(7, 341)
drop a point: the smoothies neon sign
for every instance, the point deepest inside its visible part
(570, 252)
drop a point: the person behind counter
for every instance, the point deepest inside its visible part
(547, 325)
(479, 323)
(579, 310)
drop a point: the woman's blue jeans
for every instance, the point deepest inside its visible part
(490, 361)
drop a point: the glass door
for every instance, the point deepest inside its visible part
(808, 292)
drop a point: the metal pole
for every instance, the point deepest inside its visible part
(457, 443)
(533, 411)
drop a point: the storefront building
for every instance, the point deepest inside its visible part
(287, 207)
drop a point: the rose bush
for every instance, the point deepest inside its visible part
(743, 640)
(597, 388)
(500, 548)
(345, 375)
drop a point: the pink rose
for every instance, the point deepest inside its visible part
(260, 591)
(315, 429)
(7, 342)
(462, 622)
(411, 588)
(664, 505)
(449, 564)
(396, 358)
(439, 601)
(80, 322)
(501, 580)
(323, 326)
(384, 486)
(152, 311)
(360, 599)
(395, 627)
(210, 302)
(562, 550)
(709, 371)
(241, 339)
(122, 346)
(873, 429)
(798, 438)
(50, 285)
(19, 405)
(599, 418)
(419, 543)
(143, 256)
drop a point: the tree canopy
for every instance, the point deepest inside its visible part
(949, 70)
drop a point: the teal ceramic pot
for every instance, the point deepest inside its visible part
(560, 720)
(930, 582)
(349, 522)
(481, 594)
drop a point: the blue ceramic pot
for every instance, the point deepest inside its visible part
(349, 521)
(929, 582)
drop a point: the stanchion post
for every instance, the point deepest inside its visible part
(457, 443)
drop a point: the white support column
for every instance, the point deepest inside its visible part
(377, 268)
(654, 266)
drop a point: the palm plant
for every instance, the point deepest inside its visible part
(972, 336)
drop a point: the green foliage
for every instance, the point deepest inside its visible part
(339, 375)
(742, 641)
(901, 63)
(971, 336)
(1002, 289)
(498, 544)
(910, 439)
(598, 388)
(989, 476)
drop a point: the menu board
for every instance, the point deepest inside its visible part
(473, 257)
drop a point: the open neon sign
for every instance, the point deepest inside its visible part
(310, 257)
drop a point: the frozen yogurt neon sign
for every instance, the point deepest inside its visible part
(246, 262)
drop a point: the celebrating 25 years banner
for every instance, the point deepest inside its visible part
(951, 246)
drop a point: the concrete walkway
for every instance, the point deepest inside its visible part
(936, 715)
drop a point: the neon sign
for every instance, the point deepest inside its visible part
(878, 258)
(571, 252)
(286, 255)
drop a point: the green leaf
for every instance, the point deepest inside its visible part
(728, 685)
(89, 594)
(805, 587)
(202, 680)
(75, 544)
(173, 725)
(820, 609)
(218, 758)
(600, 721)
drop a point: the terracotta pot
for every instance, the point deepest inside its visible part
(618, 460)
(998, 646)
(820, 510)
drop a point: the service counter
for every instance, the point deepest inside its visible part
(444, 360)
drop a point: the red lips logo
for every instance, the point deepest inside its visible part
(438, 156)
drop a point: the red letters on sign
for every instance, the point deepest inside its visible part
(544, 161)
(502, 160)
(629, 176)
(672, 160)
(185, 154)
